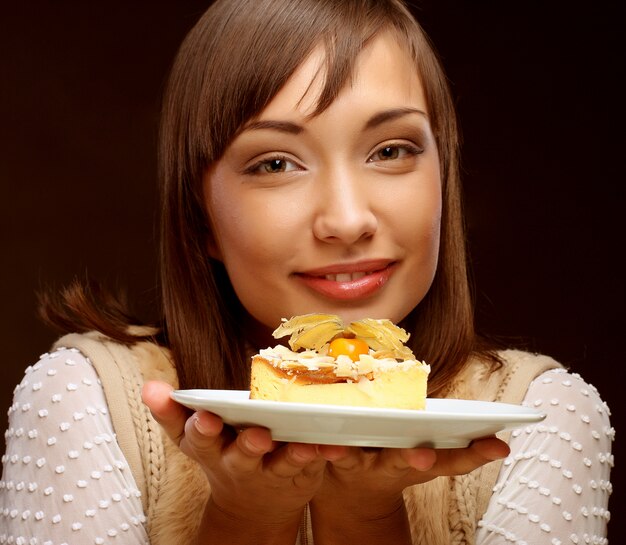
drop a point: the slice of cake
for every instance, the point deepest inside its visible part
(364, 364)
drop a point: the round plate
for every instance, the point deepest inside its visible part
(445, 423)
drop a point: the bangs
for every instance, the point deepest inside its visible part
(247, 63)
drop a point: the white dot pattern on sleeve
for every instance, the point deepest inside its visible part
(554, 487)
(62, 462)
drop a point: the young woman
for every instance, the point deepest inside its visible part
(308, 164)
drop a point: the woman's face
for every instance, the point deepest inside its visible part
(337, 213)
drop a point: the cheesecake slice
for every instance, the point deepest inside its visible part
(366, 369)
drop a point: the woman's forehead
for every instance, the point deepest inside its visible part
(384, 64)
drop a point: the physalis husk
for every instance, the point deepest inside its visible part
(313, 331)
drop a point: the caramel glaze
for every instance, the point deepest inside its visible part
(304, 375)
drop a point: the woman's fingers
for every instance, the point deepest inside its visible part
(461, 461)
(198, 435)
(421, 459)
(410, 465)
(245, 453)
(202, 439)
(169, 414)
(491, 448)
(333, 453)
(295, 459)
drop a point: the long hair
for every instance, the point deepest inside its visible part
(230, 66)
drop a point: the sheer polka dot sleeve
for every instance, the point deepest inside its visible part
(554, 487)
(65, 479)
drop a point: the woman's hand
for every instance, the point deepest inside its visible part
(386, 472)
(362, 489)
(254, 481)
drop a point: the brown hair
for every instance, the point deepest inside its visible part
(230, 66)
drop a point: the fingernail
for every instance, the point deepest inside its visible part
(254, 449)
(301, 456)
(198, 425)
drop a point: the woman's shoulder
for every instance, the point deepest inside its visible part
(66, 369)
(570, 392)
(548, 375)
(525, 360)
(114, 360)
(61, 389)
(571, 405)
(502, 376)
(527, 373)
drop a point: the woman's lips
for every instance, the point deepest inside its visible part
(348, 282)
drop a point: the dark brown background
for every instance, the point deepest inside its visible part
(539, 89)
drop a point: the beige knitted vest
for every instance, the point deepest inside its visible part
(174, 489)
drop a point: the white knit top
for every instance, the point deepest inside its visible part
(66, 481)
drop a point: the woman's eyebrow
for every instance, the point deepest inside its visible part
(282, 126)
(290, 127)
(391, 114)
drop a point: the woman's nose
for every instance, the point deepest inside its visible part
(345, 214)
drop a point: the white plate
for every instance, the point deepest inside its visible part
(446, 423)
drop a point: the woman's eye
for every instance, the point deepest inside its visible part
(395, 151)
(273, 165)
(390, 152)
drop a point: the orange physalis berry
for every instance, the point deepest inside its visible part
(352, 348)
